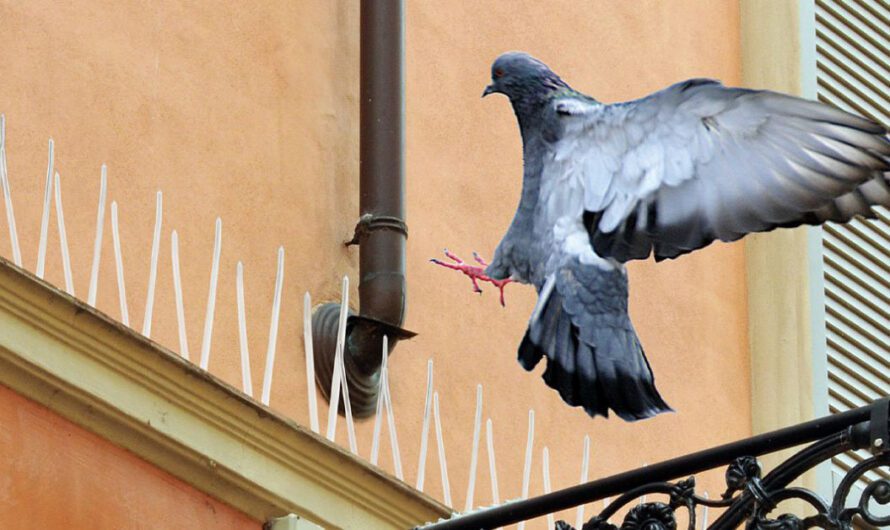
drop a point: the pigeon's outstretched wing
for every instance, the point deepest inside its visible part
(674, 171)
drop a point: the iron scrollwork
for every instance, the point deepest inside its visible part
(651, 515)
(751, 499)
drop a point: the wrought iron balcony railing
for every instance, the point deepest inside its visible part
(750, 498)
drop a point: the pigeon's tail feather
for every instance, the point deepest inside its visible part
(601, 370)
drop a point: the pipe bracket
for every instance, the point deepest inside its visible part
(367, 223)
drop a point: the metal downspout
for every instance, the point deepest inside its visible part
(381, 231)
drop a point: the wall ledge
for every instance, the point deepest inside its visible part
(109, 379)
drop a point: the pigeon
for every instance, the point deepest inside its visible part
(660, 176)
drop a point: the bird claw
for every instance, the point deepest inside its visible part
(476, 274)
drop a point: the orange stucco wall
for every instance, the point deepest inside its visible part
(251, 114)
(54, 474)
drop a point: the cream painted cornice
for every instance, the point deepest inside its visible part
(784, 273)
(92, 370)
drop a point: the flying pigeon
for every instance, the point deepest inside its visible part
(663, 175)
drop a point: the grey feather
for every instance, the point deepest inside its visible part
(747, 148)
(594, 359)
(663, 175)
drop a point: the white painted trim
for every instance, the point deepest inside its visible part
(816, 266)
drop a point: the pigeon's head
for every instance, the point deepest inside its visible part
(520, 76)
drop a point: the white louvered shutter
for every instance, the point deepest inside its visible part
(853, 73)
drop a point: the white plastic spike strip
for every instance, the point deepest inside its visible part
(211, 296)
(347, 406)
(97, 244)
(492, 467)
(527, 468)
(350, 425)
(177, 291)
(336, 374)
(378, 420)
(385, 404)
(585, 464)
(44, 220)
(704, 513)
(7, 196)
(474, 455)
(391, 418)
(246, 383)
(545, 463)
(119, 264)
(440, 443)
(310, 362)
(425, 426)
(63, 237)
(381, 399)
(153, 268)
(273, 329)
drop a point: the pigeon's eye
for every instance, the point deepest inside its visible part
(498, 73)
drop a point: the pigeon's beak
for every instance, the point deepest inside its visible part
(490, 89)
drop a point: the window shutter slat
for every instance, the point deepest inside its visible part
(853, 73)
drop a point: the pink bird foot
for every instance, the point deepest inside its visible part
(475, 273)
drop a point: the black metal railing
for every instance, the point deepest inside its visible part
(749, 497)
